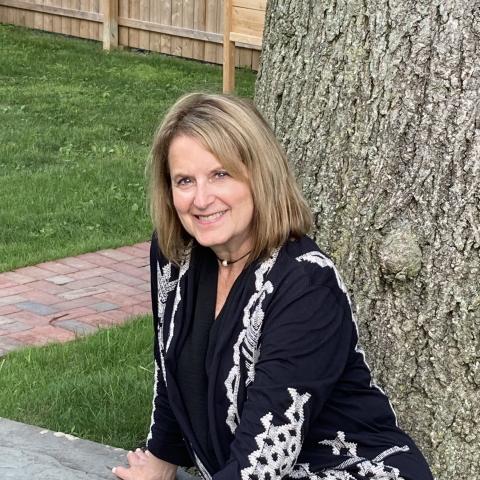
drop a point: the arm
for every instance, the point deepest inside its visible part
(304, 349)
(165, 438)
(166, 448)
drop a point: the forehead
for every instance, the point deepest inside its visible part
(188, 152)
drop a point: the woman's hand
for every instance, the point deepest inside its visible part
(145, 466)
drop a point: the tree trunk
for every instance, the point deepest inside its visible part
(377, 104)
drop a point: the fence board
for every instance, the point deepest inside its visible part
(154, 36)
(176, 43)
(179, 32)
(75, 26)
(123, 31)
(14, 16)
(199, 24)
(144, 36)
(11, 16)
(84, 25)
(110, 24)
(20, 17)
(219, 7)
(244, 58)
(210, 26)
(29, 18)
(256, 60)
(188, 10)
(38, 17)
(246, 21)
(134, 13)
(57, 19)
(166, 19)
(95, 27)
(252, 4)
(66, 28)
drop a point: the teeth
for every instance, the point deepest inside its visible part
(213, 216)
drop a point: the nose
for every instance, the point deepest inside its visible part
(203, 196)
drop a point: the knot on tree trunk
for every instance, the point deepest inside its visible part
(400, 254)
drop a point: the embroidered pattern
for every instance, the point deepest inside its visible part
(165, 285)
(201, 468)
(247, 341)
(178, 297)
(152, 419)
(373, 469)
(302, 471)
(278, 446)
(339, 444)
(321, 260)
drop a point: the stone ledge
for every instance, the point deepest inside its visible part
(33, 453)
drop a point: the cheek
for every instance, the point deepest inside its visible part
(180, 203)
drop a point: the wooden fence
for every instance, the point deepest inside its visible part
(185, 28)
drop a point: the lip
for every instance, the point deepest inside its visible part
(215, 218)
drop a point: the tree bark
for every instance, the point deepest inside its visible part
(377, 104)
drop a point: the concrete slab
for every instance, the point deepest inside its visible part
(33, 453)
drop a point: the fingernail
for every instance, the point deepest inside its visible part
(113, 470)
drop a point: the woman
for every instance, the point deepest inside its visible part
(258, 371)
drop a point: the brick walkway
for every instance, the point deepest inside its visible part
(59, 300)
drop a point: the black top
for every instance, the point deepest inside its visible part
(289, 393)
(191, 369)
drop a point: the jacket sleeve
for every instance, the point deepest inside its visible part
(304, 348)
(165, 438)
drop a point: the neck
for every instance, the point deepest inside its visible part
(230, 256)
(229, 261)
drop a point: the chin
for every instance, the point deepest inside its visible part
(206, 242)
(206, 239)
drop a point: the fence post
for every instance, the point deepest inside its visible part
(110, 24)
(228, 49)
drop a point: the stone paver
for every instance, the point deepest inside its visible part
(33, 453)
(65, 298)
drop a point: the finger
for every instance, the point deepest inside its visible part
(122, 472)
(133, 458)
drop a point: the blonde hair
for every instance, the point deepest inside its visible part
(234, 132)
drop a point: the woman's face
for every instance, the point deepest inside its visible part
(213, 207)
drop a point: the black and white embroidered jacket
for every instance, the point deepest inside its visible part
(290, 395)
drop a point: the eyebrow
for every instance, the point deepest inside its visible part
(180, 174)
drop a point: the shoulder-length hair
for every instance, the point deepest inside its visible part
(235, 132)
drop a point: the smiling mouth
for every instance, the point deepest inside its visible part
(210, 218)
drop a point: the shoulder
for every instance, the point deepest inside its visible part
(158, 262)
(158, 258)
(302, 265)
(306, 292)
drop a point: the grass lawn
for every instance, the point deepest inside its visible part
(76, 127)
(98, 387)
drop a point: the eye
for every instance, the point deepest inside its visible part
(221, 174)
(183, 181)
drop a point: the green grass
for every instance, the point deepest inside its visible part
(98, 387)
(76, 128)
